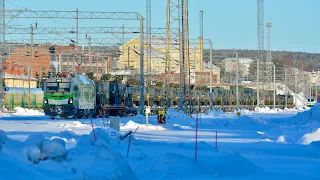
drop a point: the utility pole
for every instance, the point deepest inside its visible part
(295, 88)
(148, 33)
(29, 67)
(128, 57)
(2, 22)
(274, 86)
(77, 26)
(211, 74)
(315, 92)
(141, 67)
(286, 90)
(2, 50)
(258, 82)
(237, 80)
(90, 58)
(310, 89)
(201, 41)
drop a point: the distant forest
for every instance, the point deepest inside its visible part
(301, 60)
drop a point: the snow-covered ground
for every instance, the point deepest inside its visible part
(265, 144)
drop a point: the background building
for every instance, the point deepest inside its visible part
(130, 59)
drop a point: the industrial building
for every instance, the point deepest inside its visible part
(49, 58)
(130, 60)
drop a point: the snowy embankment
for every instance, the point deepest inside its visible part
(103, 158)
(40, 158)
(309, 121)
(45, 156)
(19, 111)
(251, 146)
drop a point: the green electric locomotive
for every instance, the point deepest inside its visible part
(69, 96)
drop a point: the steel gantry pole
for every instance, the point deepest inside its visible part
(182, 78)
(90, 53)
(237, 80)
(295, 89)
(141, 68)
(274, 86)
(258, 82)
(260, 37)
(201, 41)
(286, 90)
(211, 73)
(29, 68)
(77, 26)
(2, 49)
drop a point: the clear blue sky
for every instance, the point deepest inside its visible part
(228, 23)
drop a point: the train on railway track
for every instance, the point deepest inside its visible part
(76, 96)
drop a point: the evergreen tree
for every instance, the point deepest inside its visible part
(105, 77)
(252, 71)
(90, 75)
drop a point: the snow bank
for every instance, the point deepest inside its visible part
(35, 140)
(131, 125)
(310, 137)
(74, 124)
(173, 115)
(3, 138)
(53, 149)
(33, 154)
(68, 134)
(216, 113)
(245, 120)
(176, 166)
(281, 139)
(231, 164)
(19, 111)
(101, 160)
(100, 137)
(101, 164)
(245, 112)
(290, 110)
(52, 161)
(266, 110)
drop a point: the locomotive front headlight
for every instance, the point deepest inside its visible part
(46, 101)
(70, 101)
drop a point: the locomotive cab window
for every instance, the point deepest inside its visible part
(61, 87)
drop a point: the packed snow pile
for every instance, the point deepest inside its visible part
(131, 125)
(19, 111)
(281, 139)
(53, 149)
(3, 138)
(310, 137)
(266, 110)
(38, 148)
(216, 113)
(245, 120)
(90, 159)
(73, 124)
(245, 112)
(218, 165)
(173, 115)
(312, 114)
(35, 139)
